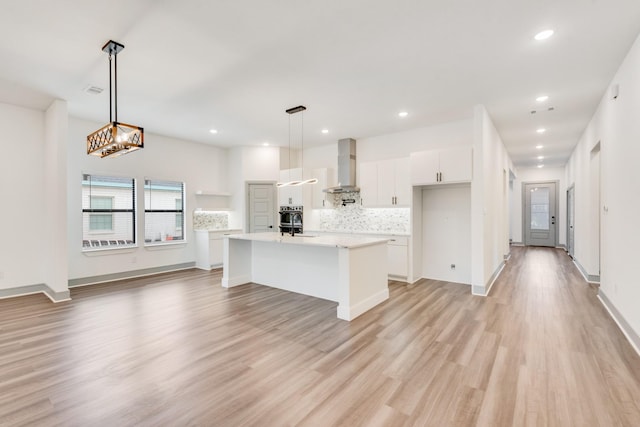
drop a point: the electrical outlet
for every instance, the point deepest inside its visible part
(453, 266)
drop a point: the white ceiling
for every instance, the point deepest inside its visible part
(193, 65)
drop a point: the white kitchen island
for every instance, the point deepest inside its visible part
(349, 270)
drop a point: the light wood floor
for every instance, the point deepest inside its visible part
(177, 349)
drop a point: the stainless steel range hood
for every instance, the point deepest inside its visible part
(346, 168)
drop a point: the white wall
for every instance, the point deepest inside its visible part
(446, 228)
(23, 215)
(257, 164)
(616, 127)
(401, 144)
(526, 175)
(489, 201)
(200, 166)
(55, 264)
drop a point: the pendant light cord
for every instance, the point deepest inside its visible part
(289, 165)
(115, 62)
(110, 93)
(112, 99)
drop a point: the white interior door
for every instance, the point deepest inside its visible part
(570, 219)
(261, 208)
(540, 222)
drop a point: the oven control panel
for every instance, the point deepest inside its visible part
(290, 208)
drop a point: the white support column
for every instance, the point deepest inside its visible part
(55, 184)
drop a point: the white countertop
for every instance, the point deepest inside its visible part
(363, 233)
(312, 240)
(218, 230)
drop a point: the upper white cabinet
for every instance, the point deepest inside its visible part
(368, 182)
(320, 199)
(442, 166)
(385, 183)
(290, 195)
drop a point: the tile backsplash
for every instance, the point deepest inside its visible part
(354, 218)
(210, 220)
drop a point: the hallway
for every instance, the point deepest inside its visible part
(563, 360)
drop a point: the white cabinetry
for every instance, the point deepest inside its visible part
(322, 200)
(209, 248)
(368, 181)
(290, 195)
(398, 254)
(385, 183)
(441, 166)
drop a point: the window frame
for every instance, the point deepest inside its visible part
(148, 186)
(87, 245)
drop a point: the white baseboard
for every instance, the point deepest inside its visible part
(350, 313)
(235, 281)
(624, 326)
(84, 281)
(36, 289)
(483, 291)
(588, 277)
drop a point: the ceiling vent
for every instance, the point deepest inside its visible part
(93, 90)
(542, 111)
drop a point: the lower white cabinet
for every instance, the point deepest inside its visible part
(398, 254)
(209, 247)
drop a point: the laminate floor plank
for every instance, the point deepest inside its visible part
(177, 349)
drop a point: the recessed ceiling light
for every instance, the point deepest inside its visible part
(214, 131)
(540, 166)
(403, 114)
(539, 147)
(543, 35)
(325, 130)
(540, 157)
(266, 144)
(541, 130)
(542, 98)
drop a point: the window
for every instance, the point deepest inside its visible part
(108, 211)
(101, 221)
(163, 211)
(179, 219)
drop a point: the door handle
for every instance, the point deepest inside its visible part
(271, 226)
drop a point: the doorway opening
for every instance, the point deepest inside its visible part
(594, 210)
(540, 214)
(571, 205)
(261, 207)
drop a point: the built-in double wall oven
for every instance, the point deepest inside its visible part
(291, 219)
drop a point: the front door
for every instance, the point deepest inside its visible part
(261, 208)
(540, 222)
